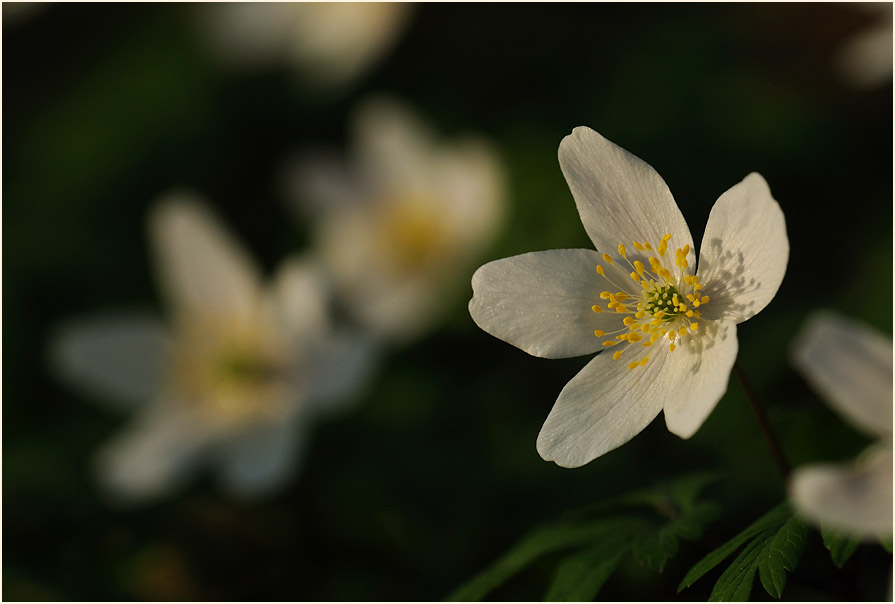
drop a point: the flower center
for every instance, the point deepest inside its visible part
(664, 306)
(231, 372)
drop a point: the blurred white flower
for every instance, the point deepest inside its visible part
(330, 43)
(865, 60)
(233, 380)
(850, 365)
(672, 333)
(400, 225)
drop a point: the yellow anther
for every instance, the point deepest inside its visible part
(682, 331)
(633, 365)
(621, 308)
(605, 295)
(647, 245)
(638, 246)
(638, 266)
(596, 308)
(697, 286)
(643, 361)
(648, 343)
(628, 321)
(610, 343)
(671, 347)
(704, 299)
(654, 337)
(640, 314)
(666, 237)
(599, 333)
(694, 326)
(621, 296)
(689, 313)
(686, 249)
(621, 250)
(607, 258)
(645, 327)
(616, 354)
(600, 270)
(663, 247)
(634, 276)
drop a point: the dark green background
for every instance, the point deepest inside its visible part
(107, 106)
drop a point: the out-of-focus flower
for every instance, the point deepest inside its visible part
(865, 60)
(330, 43)
(400, 225)
(671, 331)
(850, 365)
(232, 380)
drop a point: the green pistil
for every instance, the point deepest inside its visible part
(662, 298)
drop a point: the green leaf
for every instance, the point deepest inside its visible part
(735, 583)
(538, 543)
(841, 546)
(578, 578)
(655, 548)
(781, 555)
(772, 519)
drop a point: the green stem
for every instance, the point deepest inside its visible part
(763, 421)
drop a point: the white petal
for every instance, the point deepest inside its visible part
(620, 197)
(201, 267)
(117, 358)
(393, 148)
(335, 42)
(260, 460)
(541, 302)
(695, 376)
(853, 498)
(744, 251)
(154, 455)
(601, 408)
(850, 365)
(300, 299)
(470, 189)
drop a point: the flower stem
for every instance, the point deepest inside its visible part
(776, 450)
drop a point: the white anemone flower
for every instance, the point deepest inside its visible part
(330, 44)
(400, 224)
(668, 329)
(232, 380)
(850, 365)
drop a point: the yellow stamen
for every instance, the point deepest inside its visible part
(607, 258)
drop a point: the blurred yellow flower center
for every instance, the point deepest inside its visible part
(663, 306)
(412, 234)
(230, 371)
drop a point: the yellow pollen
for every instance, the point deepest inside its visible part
(634, 276)
(616, 354)
(605, 295)
(607, 258)
(639, 314)
(600, 270)
(638, 246)
(633, 365)
(638, 266)
(610, 343)
(628, 321)
(647, 245)
(666, 237)
(599, 333)
(596, 308)
(621, 250)
(694, 326)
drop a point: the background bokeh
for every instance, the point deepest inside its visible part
(435, 472)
